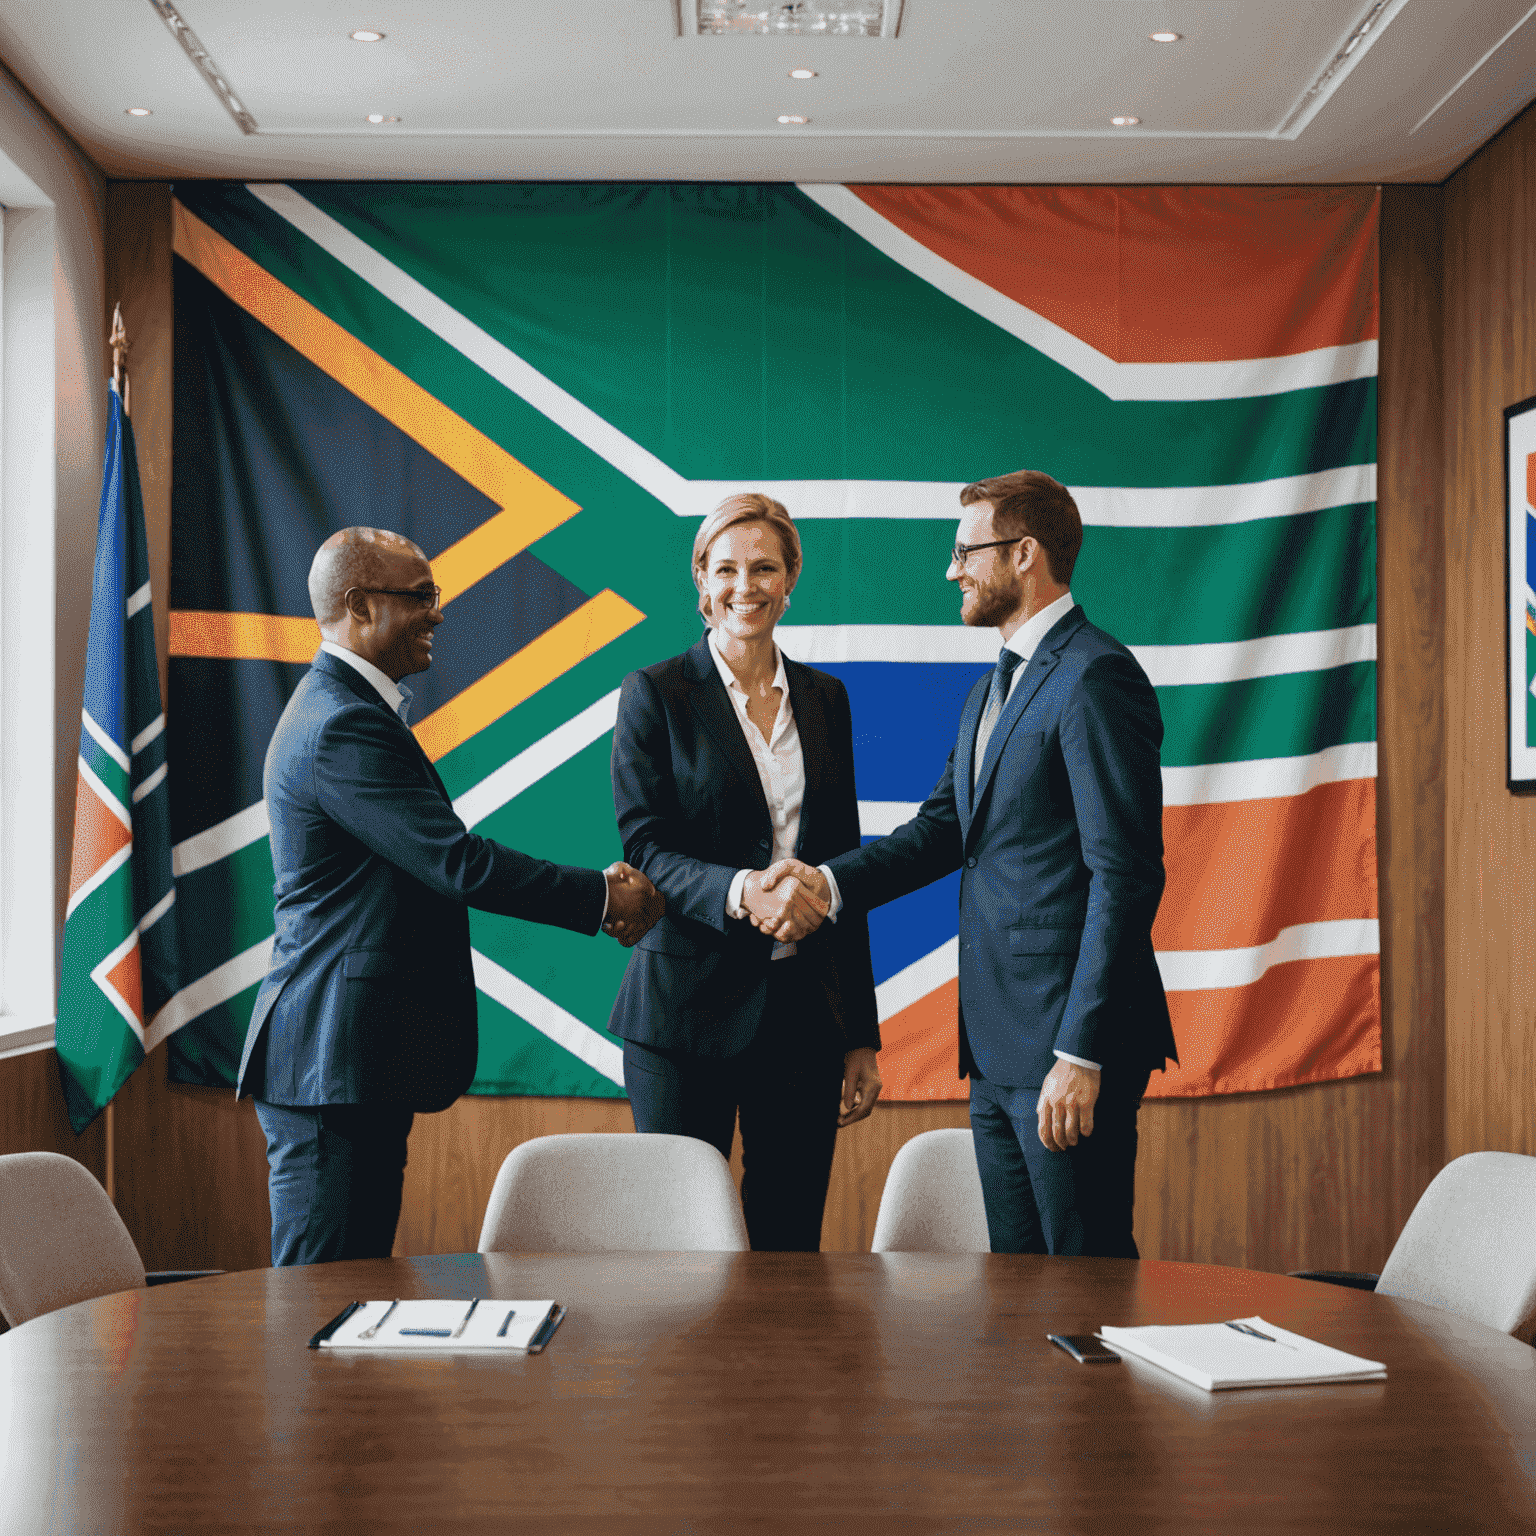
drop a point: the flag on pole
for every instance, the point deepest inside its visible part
(120, 934)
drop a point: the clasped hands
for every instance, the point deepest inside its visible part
(787, 901)
(634, 905)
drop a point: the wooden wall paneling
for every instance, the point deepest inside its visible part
(33, 1117)
(1490, 363)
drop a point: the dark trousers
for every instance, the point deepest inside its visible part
(1074, 1202)
(335, 1172)
(786, 1084)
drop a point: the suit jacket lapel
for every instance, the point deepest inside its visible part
(1039, 667)
(811, 723)
(717, 714)
(965, 747)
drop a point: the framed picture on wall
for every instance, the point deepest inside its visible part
(1520, 580)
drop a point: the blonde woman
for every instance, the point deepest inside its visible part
(725, 759)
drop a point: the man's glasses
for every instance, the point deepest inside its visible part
(963, 552)
(428, 597)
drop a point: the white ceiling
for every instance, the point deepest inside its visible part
(969, 91)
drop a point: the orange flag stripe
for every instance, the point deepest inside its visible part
(1163, 274)
(243, 636)
(99, 834)
(1309, 1021)
(1240, 872)
(126, 978)
(581, 634)
(531, 507)
(920, 1049)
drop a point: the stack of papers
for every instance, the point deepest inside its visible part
(442, 1325)
(1245, 1353)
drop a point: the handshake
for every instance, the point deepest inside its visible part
(634, 905)
(787, 901)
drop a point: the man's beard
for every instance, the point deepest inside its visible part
(994, 602)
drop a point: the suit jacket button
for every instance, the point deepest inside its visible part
(970, 863)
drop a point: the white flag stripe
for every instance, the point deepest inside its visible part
(220, 840)
(104, 741)
(100, 878)
(549, 1018)
(878, 818)
(151, 784)
(110, 800)
(1101, 506)
(1268, 778)
(1182, 970)
(478, 345)
(158, 911)
(112, 995)
(534, 762)
(1202, 970)
(217, 986)
(147, 735)
(1168, 666)
(1119, 381)
(1108, 506)
(140, 599)
(917, 980)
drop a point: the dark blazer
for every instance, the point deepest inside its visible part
(370, 998)
(691, 813)
(1061, 852)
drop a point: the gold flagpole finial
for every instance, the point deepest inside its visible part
(118, 341)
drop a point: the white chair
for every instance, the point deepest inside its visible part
(932, 1198)
(1469, 1246)
(614, 1194)
(62, 1241)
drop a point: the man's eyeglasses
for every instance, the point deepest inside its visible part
(428, 597)
(963, 552)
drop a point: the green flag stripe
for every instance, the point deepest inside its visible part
(917, 412)
(1241, 581)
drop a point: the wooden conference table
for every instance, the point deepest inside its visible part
(704, 1392)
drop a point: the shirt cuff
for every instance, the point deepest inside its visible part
(1080, 1061)
(606, 893)
(836, 904)
(733, 906)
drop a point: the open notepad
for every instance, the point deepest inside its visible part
(432, 1325)
(1246, 1353)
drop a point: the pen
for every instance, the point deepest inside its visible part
(474, 1302)
(373, 1328)
(501, 1332)
(1254, 1333)
(427, 1333)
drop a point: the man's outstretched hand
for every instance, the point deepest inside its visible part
(789, 912)
(797, 876)
(634, 905)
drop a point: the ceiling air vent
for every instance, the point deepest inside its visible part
(789, 18)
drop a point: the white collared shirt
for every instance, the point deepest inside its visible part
(1027, 637)
(780, 770)
(387, 690)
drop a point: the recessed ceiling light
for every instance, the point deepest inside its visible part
(138, 112)
(1125, 122)
(802, 74)
(792, 117)
(367, 35)
(379, 117)
(1166, 37)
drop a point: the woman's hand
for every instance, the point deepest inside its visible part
(788, 913)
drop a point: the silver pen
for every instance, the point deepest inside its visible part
(373, 1328)
(474, 1302)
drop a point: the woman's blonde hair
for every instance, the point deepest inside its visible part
(748, 507)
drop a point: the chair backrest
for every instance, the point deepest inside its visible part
(613, 1194)
(932, 1198)
(1470, 1244)
(60, 1239)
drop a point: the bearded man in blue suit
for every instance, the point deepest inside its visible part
(367, 1012)
(1051, 808)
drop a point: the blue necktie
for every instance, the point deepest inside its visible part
(406, 696)
(997, 696)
